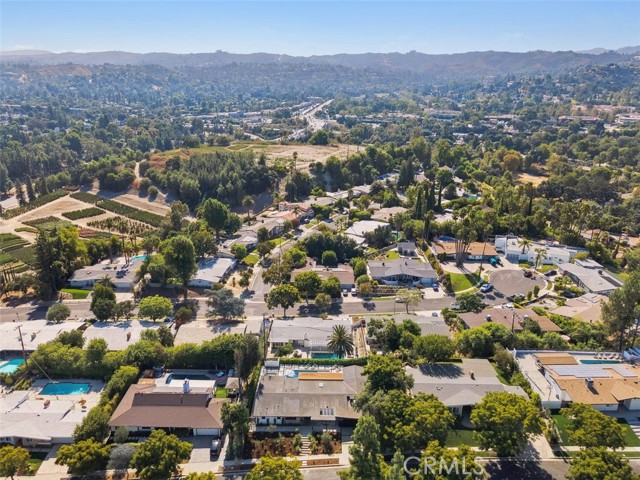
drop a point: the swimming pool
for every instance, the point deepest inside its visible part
(65, 388)
(139, 257)
(184, 376)
(444, 238)
(295, 373)
(597, 362)
(11, 366)
(324, 355)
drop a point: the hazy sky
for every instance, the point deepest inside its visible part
(308, 27)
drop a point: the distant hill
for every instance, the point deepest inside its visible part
(471, 64)
(622, 51)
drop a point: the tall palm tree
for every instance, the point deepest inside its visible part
(340, 341)
(525, 243)
(541, 254)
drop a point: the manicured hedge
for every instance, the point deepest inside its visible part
(84, 213)
(38, 202)
(120, 208)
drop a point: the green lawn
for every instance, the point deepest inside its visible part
(35, 461)
(463, 281)
(461, 435)
(251, 259)
(221, 393)
(542, 269)
(77, 293)
(392, 255)
(630, 438)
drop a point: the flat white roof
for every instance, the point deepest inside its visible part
(34, 333)
(118, 335)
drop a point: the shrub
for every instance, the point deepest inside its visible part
(120, 457)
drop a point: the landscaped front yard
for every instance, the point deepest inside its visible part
(463, 281)
(563, 422)
(251, 259)
(461, 435)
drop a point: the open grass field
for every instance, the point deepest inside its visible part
(536, 180)
(76, 293)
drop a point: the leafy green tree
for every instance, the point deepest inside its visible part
(124, 310)
(331, 286)
(276, 468)
(366, 459)
(204, 243)
(470, 302)
(264, 248)
(58, 312)
(434, 348)
(222, 303)
(409, 296)
(340, 341)
(239, 251)
(96, 350)
(278, 272)
(591, 428)
(183, 315)
(14, 461)
(235, 420)
(329, 258)
(597, 463)
(284, 295)
(504, 422)
(396, 470)
(119, 383)
(621, 310)
(180, 256)
(308, 284)
(295, 257)
(201, 476)
(51, 269)
(155, 307)
(94, 426)
(475, 342)
(426, 419)
(160, 456)
(320, 137)
(386, 373)
(323, 302)
(84, 457)
(215, 213)
(103, 302)
(121, 435)
(246, 356)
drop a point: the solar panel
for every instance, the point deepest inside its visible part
(591, 371)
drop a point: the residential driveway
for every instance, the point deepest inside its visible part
(510, 282)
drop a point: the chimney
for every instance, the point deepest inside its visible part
(589, 382)
(488, 318)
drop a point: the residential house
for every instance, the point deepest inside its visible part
(148, 406)
(305, 332)
(39, 421)
(301, 210)
(586, 308)
(211, 271)
(358, 230)
(510, 318)
(14, 336)
(514, 252)
(386, 214)
(119, 336)
(122, 275)
(590, 276)
(562, 378)
(275, 226)
(459, 386)
(407, 249)
(320, 399)
(343, 272)
(477, 251)
(402, 272)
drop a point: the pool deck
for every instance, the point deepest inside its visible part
(91, 398)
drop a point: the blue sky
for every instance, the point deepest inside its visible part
(308, 27)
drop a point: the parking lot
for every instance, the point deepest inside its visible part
(508, 282)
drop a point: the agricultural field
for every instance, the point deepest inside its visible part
(15, 253)
(120, 208)
(47, 223)
(84, 213)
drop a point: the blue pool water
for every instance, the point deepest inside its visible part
(190, 376)
(139, 257)
(323, 355)
(295, 373)
(65, 388)
(446, 239)
(598, 362)
(11, 366)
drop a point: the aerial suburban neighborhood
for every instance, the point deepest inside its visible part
(354, 266)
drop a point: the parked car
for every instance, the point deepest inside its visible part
(569, 294)
(354, 292)
(487, 287)
(435, 287)
(345, 292)
(216, 447)
(527, 273)
(551, 273)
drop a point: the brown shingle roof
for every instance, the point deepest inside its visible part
(475, 249)
(142, 406)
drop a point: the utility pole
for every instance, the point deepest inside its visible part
(24, 353)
